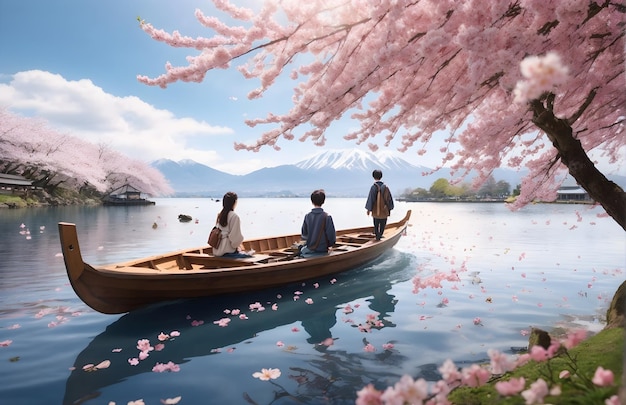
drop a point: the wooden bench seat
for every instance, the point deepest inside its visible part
(209, 261)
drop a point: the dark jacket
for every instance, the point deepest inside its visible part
(311, 228)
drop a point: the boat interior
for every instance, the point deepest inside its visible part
(266, 251)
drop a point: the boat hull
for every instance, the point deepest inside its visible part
(192, 273)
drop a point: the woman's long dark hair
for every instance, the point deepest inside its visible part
(228, 202)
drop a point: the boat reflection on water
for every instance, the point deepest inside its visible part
(344, 371)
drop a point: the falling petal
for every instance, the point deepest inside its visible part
(104, 364)
(171, 401)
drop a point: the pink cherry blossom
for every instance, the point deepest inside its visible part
(536, 393)
(267, 374)
(171, 401)
(222, 322)
(102, 365)
(280, 343)
(163, 367)
(5, 343)
(327, 342)
(144, 345)
(366, 328)
(538, 353)
(368, 395)
(541, 74)
(500, 362)
(602, 377)
(475, 376)
(406, 391)
(369, 348)
(614, 400)
(388, 346)
(574, 338)
(255, 306)
(133, 361)
(449, 372)
(80, 162)
(495, 54)
(510, 387)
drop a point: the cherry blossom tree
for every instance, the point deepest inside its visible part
(538, 83)
(29, 147)
(120, 170)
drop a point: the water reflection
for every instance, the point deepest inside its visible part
(334, 373)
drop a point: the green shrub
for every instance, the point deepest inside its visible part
(604, 349)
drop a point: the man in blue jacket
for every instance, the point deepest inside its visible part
(318, 229)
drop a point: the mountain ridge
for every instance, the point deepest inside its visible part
(341, 173)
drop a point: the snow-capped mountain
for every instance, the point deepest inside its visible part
(356, 160)
(341, 173)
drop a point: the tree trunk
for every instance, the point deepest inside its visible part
(602, 190)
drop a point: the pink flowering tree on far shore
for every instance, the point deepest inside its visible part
(534, 83)
(29, 147)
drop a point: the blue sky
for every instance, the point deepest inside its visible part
(75, 63)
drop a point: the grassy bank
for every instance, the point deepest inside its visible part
(16, 202)
(60, 196)
(604, 349)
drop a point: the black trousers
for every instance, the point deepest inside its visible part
(379, 227)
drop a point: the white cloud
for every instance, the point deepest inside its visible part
(126, 124)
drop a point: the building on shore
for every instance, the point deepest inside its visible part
(573, 193)
(126, 195)
(13, 184)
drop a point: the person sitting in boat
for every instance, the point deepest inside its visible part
(318, 229)
(230, 224)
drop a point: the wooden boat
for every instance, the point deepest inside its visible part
(190, 273)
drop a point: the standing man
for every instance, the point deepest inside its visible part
(379, 203)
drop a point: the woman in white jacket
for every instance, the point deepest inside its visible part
(230, 225)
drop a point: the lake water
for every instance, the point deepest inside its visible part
(544, 266)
